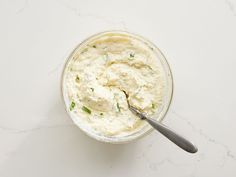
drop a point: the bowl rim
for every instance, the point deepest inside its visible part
(169, 78)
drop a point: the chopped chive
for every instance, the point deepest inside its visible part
(85, 50)
(94, 46)
(85, 109)
(77, 78)
(151, 48)
(153, 105)
(131, 55)
(92, 89)
(118, 106)
(72, 105)
(101, 114)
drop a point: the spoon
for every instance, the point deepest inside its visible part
(164, 130)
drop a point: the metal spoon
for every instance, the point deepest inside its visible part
(164, 130)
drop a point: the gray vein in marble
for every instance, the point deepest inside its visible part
(167, 161)
(26, 2)
(107, 20)
(231, 6)
(95, 16)
(16, 131)
(154, 166)
(53, 70)
(229, 153)
(158, 164)
(72, 9)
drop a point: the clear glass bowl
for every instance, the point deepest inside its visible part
(168, 91)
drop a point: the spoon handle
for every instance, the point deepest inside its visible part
(173, 136)
(166, 131)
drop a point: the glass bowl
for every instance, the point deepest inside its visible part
(162, 110)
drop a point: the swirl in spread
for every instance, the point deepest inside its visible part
(98, 73)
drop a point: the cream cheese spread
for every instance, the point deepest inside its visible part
(99, 72)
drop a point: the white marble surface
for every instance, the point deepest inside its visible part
(37, 138)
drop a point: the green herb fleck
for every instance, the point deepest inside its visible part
(118, 106)
(85, 109)
(85, 50)
(101, 114)
(94, 46)
(77, 78)
(92, 89)
(72, 105)
(131, 55)
(153, 106)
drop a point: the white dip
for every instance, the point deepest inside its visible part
(97, 74)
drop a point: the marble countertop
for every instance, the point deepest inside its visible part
(39, 139)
